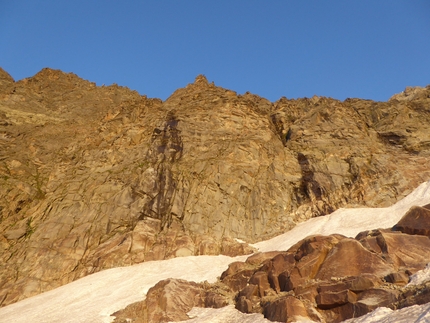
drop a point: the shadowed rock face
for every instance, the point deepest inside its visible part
(160, 188)
(97, 177)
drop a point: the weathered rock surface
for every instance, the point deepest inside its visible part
(416, 221)
(96, 177)
(333, 278)
(171, 300)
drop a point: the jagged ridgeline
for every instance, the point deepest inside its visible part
(97, 177)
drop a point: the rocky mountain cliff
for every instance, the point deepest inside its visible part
(97, 177)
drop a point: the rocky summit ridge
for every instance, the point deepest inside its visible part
(93, 177)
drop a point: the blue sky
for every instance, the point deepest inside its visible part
(367, 49)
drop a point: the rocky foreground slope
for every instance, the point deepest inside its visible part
(319, 279)
(97, 177)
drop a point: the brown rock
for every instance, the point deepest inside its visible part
(364, 303)
(311, 254)
(168, 300)
(405, 250)
(307, 291)
(237, 275)
(414, 295)
(290, 280)
(286, 309)
(260, 257)
(281, 262)
(136, 313)
(363, 282)
(231, 247)
(261, 280)
(234, 268)
(214, 300)
(15, 234)
(329, 299)
(250, 292)
(378, 297)
(333, 287)
(415, 221)
(208, 246)
(171, 299)
(399, 278)
(244, 305)
(370, 240)
(411, 93)
(347, 311)
(350, 258)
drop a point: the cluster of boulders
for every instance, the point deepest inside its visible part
(321, 278)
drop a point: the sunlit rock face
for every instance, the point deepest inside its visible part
(96, 177)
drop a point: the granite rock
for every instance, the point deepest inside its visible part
(93, 177)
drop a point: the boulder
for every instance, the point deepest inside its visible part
(414, 295)
(415, 221)
(231, 247)
(171, 299)
(330, 299)
(399, 278)
(168, 300)
(350, 258)
(285, 309)
(312, 252)
(404, 250)
(260, 279)
(364, 282)
(289, 281)
(378, 297)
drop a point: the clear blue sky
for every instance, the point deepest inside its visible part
(367, 49)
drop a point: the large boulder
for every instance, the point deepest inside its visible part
(286, 309)
(415, 221)
(350, 258)
(171, 300)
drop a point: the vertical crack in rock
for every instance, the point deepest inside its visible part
(280, 128)
(166, 149)
(311, 190)
(309, 187)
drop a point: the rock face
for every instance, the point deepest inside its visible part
(321, 278)
(96, 177)
(416, 221)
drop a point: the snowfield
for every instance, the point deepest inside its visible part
(93, 298)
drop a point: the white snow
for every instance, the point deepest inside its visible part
(226, 314)
(93, 298)
(421, 276)
(412, 314)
